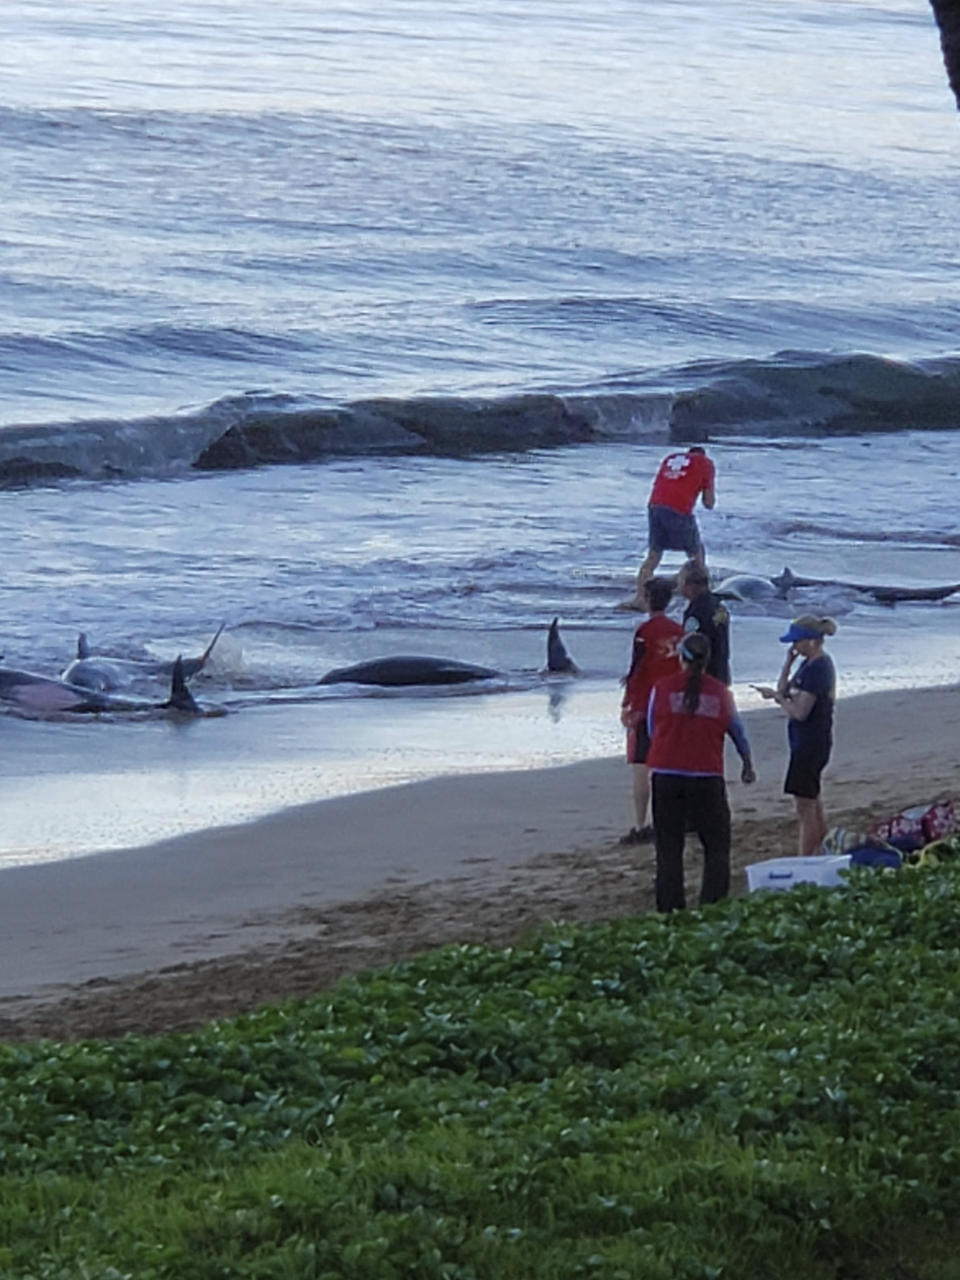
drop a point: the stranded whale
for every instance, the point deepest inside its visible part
(785, 582)
(406, 670)
(744, 586)
(46, 695)
(104, 675)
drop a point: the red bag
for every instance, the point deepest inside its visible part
(940, 820)
(904, 830)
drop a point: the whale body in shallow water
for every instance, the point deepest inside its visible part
(786, 581)
(104, 675)
(415, 669)
(408, 670)
(46, 695)
(744, 586)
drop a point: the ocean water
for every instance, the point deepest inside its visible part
(363, 327)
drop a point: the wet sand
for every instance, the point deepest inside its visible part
(221, 921)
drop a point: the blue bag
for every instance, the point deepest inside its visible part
(872, 855)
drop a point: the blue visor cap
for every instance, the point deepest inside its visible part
(800, 633)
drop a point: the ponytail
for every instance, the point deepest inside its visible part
(694, 650)
(691, 693)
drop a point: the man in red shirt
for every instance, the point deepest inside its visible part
(654, 656)
(682, 478)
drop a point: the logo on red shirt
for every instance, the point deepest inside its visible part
(681, 479)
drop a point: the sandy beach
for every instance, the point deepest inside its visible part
(218, 922)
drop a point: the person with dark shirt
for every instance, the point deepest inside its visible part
(807, 696)
(707, 615)
(688, 718)
(654, 656)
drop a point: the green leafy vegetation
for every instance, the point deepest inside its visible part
(765, 1088)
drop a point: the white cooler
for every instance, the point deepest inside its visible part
(784, 873)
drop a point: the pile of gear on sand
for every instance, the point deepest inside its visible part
(921, 836)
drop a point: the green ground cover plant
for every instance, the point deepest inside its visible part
(764, 1088)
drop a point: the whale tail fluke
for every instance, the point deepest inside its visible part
(181, 699)
(209, 649)
(558, 660)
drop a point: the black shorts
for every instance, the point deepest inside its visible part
(803, 774)
(638, 744)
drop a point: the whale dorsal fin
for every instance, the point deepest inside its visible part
(557, 657)
(784, 581)
(181, 699)
(83, 648)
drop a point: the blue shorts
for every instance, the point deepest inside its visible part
(669, 530)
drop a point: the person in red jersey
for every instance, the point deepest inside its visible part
(654, 656)
(688, 718)
(681, 479)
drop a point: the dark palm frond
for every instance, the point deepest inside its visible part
(947, 14)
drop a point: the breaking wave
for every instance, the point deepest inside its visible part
(793, 394)
(902, 537)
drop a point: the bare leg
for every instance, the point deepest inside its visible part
(641, 793)
(646, 570)
(821, 824)
(812, 825)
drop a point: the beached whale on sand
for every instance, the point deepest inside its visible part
(46, 695)
(404, 670)
(104, 674)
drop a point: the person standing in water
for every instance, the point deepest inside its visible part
(654, 656)
(807, 696)
(681, 479)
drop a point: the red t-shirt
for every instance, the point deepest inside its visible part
(659, 636)
(681, 479)
(685, 743)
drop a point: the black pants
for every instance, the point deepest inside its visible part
(699, 804)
